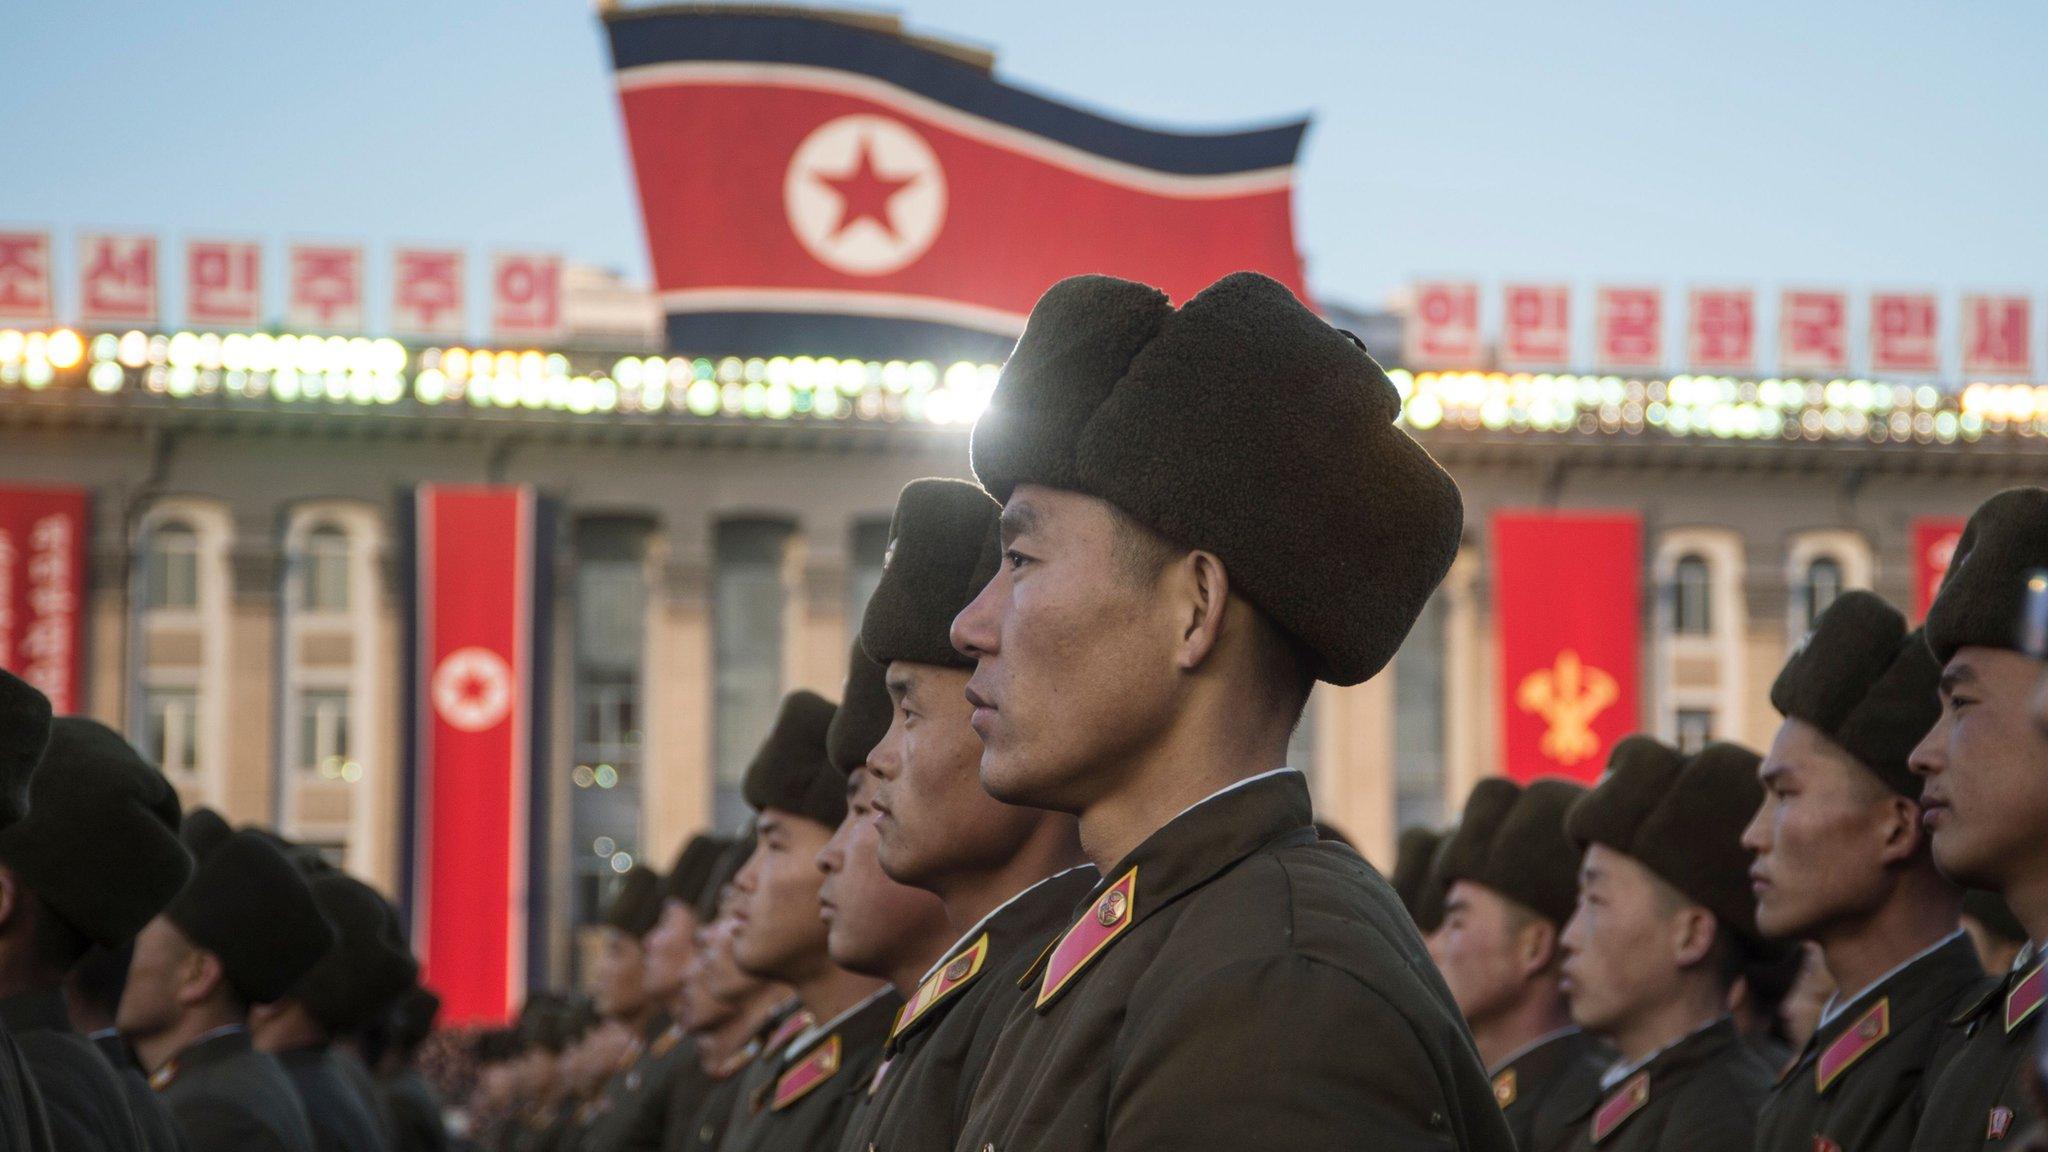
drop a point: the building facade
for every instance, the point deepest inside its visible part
(719, 525)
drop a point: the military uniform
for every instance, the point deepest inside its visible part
(636, 1100)
(23, 1120)
(801, 1097)
(706, 1129)
(941, 1042)
(1699, 1095)
(415, 1112)
(228, 1097)
(24, 733)
(1546, 1090)
(1233, 934)
(362, 1083)
(1863, 1080)
(159, 1132)
(88, 1109)
(342, 1121)
(1979, 1098)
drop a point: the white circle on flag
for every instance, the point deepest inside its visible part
(472, 689)
(865, 195)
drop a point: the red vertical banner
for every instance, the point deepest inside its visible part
(1443, 327)
(1567, 594)
(1934, 545)
(42, 590)
(472, 759)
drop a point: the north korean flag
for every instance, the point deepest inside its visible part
(828, 185)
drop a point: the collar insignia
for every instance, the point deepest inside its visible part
(1853, 1044)
(814, 1069)
(788, 1030)
(1999, 1123)
(1504, 1088)
(164, 1077)
(1113, 912)
(958, 973)
(2026, 996)
(1626, 1102)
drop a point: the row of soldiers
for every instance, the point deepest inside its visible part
(171, 984)
(1041, 881)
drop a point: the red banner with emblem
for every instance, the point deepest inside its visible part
(1934, 545)
(475, 555)
(814, 185)
(42, 590)
(1567, 594)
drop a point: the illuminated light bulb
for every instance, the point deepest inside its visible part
(627, 372)
(106, 377)
(702, 398)
(134, 350)
(430, 386)
(66, 349)
(12, 345)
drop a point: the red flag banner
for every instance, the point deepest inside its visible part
(814, 184)
(42, 590)
(472, 759)
(1934, 545)
(1567, 593)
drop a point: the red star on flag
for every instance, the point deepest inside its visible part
(864, 193)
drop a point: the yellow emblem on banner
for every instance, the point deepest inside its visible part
(1569, 695)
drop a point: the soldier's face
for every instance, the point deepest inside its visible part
(670, 947)
(1074, 670)
(1620, 961)
(160, 969)
(933, 819)
(875, 926)
(1986, 770)
(619, 984)
(1488, 950)
(777, 933)
(714, 989)
(1828, 838)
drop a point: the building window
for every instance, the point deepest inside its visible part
(607, 725)
(1824, 581)
(324, 740)
(870, 549)
(323, 568)
(1421, 689)
(1695, 729)
(170, 567)
(749, 596)
(1692, 597)
(170, 729)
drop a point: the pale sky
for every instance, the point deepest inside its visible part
(1868, 145)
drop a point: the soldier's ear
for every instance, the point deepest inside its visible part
(203, 975)
(1203, 589)
(1693, 930)
(1537, 947)
(1904, 838)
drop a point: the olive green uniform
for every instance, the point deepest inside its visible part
(228, 1097)
(636, 1100)
(1979, 1099)
(1237, 983)
(342, 1121)
(1701, 1094)
(1547, 1089)
(88, 1108)
(799, 1099)
(1862, 1081)
(159, 1132)
(935, 1057)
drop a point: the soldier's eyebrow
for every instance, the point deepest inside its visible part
(899, 684)
(1771, 770)
(1956, 676)
(1019, 519)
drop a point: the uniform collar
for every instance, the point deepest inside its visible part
(1699, 1042)
(1838, 1004)
(1548, 1037)
(1204, 840)
(972, 934)
(810, 1036)
(37, 1010)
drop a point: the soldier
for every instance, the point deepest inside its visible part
(623, 994)
(1513, 879)
(1663, 924)
(1841, 860)
(1986, 803)
(243, 931)
(1994, 931)
(96, 857)
(733, 1016)
(796, 1097)
(92, 995)
(365, 970)
(412, 1103)
(24, 733)
(644, 1094)
(1009, 877)
(1413, 856)
(1205, 510)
